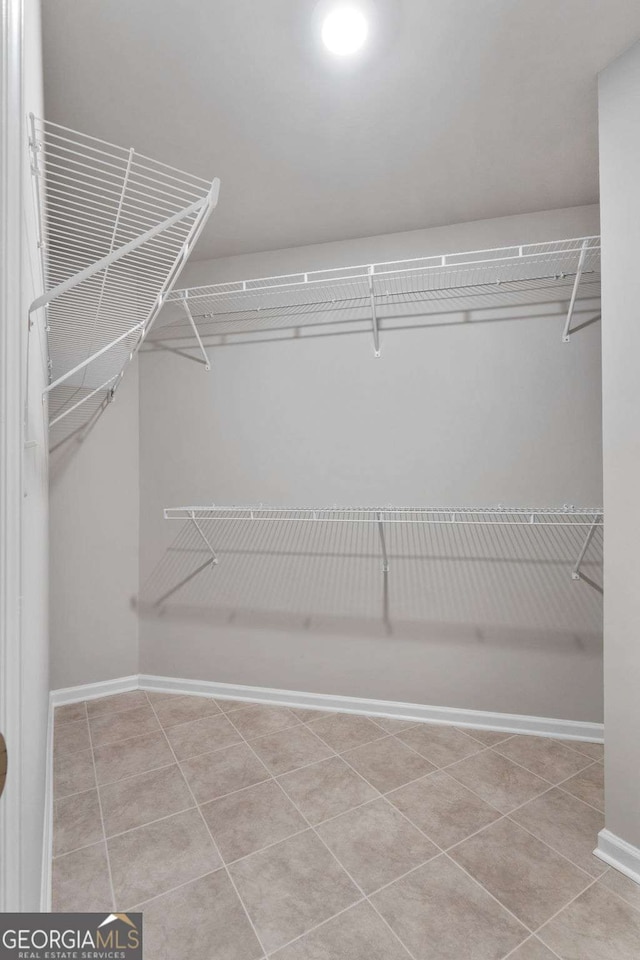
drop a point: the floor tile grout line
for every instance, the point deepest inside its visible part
(111, 743)
(588, 763)
(366, 743)
(216, 848)
(61, 723)
(614, 893)
(136, 736)
(185, 883)
(104, 831)
(492, 895)
(268, 846)
(569, 794)
(507, 736)
(392, 806)
(305, 766)
(430, 773)
(446, 850)
(141, 773)
(507, 816)
(316, 926)
(486, 827)
(564, 907)
(342, 867)
(566, 744)
(530, 939)
(551, 847)
(68, 753)
(150, 823)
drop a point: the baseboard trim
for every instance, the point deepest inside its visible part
(619, 854)
(91, 691)
(480, 719)
(47, 829)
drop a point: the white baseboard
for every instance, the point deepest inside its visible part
(480, 719)
(460, 717)
(91, 691)
(619, 854)
(47, 830)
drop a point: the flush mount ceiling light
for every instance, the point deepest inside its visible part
(344, 30)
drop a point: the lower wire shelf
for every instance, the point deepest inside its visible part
(587, 520)
(421, 572)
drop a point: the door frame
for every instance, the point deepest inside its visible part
(11, 446)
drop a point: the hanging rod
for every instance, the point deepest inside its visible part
(114, 230)
(244, 306)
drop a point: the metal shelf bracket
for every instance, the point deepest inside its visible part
(383, 545)
(575, 573)
(187, 310)
(374, 316)
(566, 333)
(214, 558)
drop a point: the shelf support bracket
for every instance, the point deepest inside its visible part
(575, 573)
(187, 310)
(202, 535)
(385, 576)
(374, 316)
(566, 333)
(108, 383)
(383, 545)
(115, 255)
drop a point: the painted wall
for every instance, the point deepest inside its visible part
(94, 544)
(479, 408)
(619, 105)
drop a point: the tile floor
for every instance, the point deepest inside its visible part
(245, 831)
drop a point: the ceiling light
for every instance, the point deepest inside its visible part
(344, 30)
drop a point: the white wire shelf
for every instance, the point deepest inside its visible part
(538, 271)
(591, 519)
(115, 228)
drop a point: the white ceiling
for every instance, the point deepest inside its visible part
(459, 110)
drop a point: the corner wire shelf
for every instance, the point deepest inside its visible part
(114, 230)
(477, 277)
(590, 519)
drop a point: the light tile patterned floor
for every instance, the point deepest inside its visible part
(245, 831)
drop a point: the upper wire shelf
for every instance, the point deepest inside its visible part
(115, 228)
(372, 290)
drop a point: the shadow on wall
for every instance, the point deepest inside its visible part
(76, 409)
(532, 300)
(475, 583)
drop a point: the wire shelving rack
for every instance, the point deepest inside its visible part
(114, 229)
(370, 291)
(586, 521)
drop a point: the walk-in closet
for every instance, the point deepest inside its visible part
(319, 440)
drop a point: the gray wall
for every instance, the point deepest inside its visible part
(94, 545)
(492, 410)
(619, 93)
